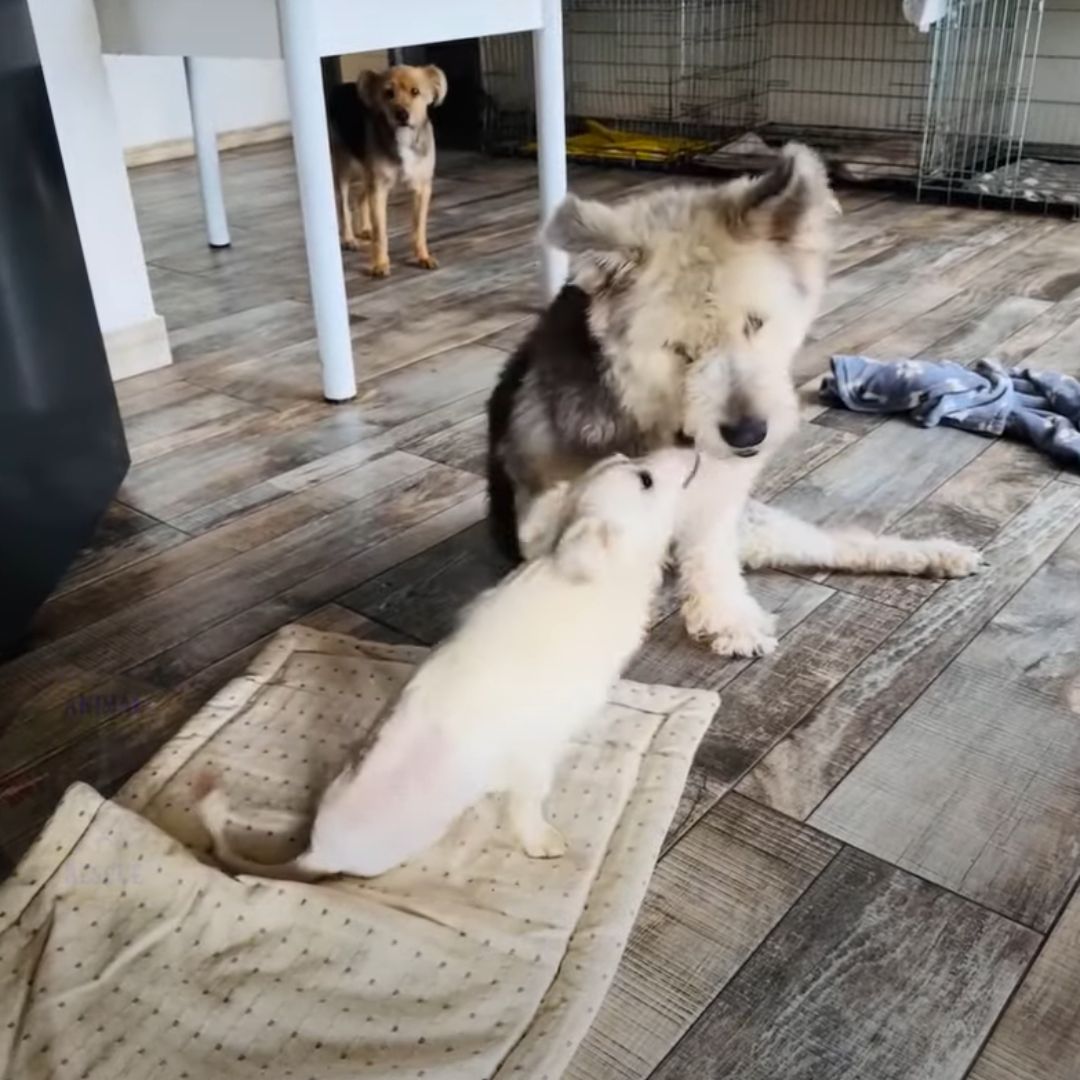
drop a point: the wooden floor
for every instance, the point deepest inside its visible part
(872, 874)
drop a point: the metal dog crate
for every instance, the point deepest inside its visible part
(1003, 117)
(985, 106)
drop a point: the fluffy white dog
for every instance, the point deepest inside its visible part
(680, 323)
(493, 707)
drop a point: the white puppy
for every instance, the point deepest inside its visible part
(493, 708)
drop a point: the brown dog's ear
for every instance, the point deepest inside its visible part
(369, 85)
(436, 83)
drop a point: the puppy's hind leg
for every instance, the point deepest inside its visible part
(529, 786)
(770, 537)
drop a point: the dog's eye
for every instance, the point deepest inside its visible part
(646, 479)
(389, 93)
(415, 92)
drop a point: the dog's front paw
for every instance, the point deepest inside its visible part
(427, 262)
(380, 269)
(948, 559)
(740, 641)
(350, 243)
(545, 843)
(746, 633)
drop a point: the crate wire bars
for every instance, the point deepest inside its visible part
(1000, 122)
(985, 107)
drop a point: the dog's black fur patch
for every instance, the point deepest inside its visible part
(502, 513)
(365, 132)
(572, 375)
(569, 371)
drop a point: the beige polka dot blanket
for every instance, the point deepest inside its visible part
(125, 954)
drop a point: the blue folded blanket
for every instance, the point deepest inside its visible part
(1039, 407)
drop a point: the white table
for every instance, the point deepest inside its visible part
(302, 32)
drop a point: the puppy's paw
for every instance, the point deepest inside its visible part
(948, 559)
(380, 270)
(350, 243)
(427, 261)
(364, 234)
(749, 632)
(742, 642)
(545, 843)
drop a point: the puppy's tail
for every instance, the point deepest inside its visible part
(213, 811)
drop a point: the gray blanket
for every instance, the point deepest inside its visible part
(1039, 407)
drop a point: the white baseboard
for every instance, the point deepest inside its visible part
(173, 149)
(138, 348)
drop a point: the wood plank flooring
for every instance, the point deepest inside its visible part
(872, 874)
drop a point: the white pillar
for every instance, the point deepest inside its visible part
(69, 44)
(551, 131)
(206, 152)
(311, 145)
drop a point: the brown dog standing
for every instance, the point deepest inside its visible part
(379, 133)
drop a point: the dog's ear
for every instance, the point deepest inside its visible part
(779, 202)
(584, 225)
(369, 84)
(584, 548)
(436, 83)
(542, 522)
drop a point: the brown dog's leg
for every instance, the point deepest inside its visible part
(420, 205)
(348, 237)
(377, 194)
(364, 210)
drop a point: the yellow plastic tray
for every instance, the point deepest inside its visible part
(604, 142)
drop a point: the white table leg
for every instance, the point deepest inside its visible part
(206, 154)
(551, 131)
(311, 145)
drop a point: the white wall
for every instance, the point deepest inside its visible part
(831, 63)
(1054, 116)
(151, 99)
(835, 63)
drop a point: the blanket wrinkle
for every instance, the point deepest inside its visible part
(1041, 408)
(41, 940)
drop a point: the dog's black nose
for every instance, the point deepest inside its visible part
(402, 116)
(745, 435)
